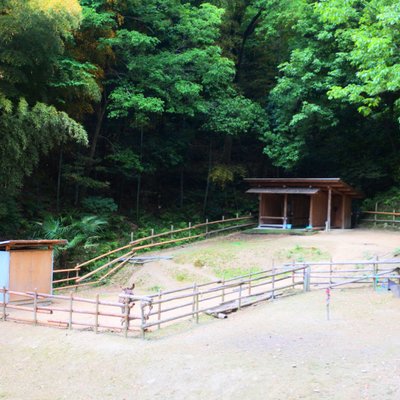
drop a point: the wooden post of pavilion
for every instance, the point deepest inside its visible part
(310, 217)
(343, 211)
(285, 211)
(328, 217)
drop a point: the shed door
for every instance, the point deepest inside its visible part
(30, 270)
(4, 268)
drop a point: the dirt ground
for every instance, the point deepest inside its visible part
(279, 350)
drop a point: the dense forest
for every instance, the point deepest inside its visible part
(130, 111)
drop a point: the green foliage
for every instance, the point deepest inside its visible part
(27, 134)
(387, 201)
(99, 205)
(82, 234)
(222, 174)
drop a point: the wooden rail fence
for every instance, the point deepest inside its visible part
(381, 217)
(75, 277)
(216, 298)
(149, 312)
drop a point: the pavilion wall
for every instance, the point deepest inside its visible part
(319, 209)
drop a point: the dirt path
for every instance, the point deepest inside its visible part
(282, 351)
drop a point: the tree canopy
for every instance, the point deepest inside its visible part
(146, 107)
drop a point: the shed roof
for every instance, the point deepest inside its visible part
(284, 190)
(336, 184)
(13, 244)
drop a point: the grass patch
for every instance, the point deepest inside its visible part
(211, 257)
(228, 273)
(300, 254)
(155, 288)
(182, 275)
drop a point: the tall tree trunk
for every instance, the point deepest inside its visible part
(181, 188)
(227, 151)
(208, 178)
(139, 180)
(60, 161)
(100, 113)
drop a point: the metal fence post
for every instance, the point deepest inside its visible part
(306, 279)
(375, 278)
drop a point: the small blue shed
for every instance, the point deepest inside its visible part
(27, 265)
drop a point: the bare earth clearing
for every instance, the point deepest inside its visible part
(284, 349)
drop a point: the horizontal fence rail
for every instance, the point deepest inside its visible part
(136, 315)
(378, 217)
(72, 311)
(142, 313)
(112, 261)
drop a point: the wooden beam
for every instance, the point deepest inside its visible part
(261, 197)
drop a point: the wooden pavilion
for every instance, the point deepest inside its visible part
(312, 203)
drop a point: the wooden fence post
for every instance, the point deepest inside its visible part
(96, 317)
(394, 219)
(4, 303)
(194, 298)
(143, 320)
(152, 234)
(71, 300)
(273, 280)
(35, 298)
(172, 230)
(375, 215)
(330, 270)
(159, 308)
(250, 278)
(197, 306)
(126, 317)
(240, 296)
(206, 227)
(190, 229)
(293, 274)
